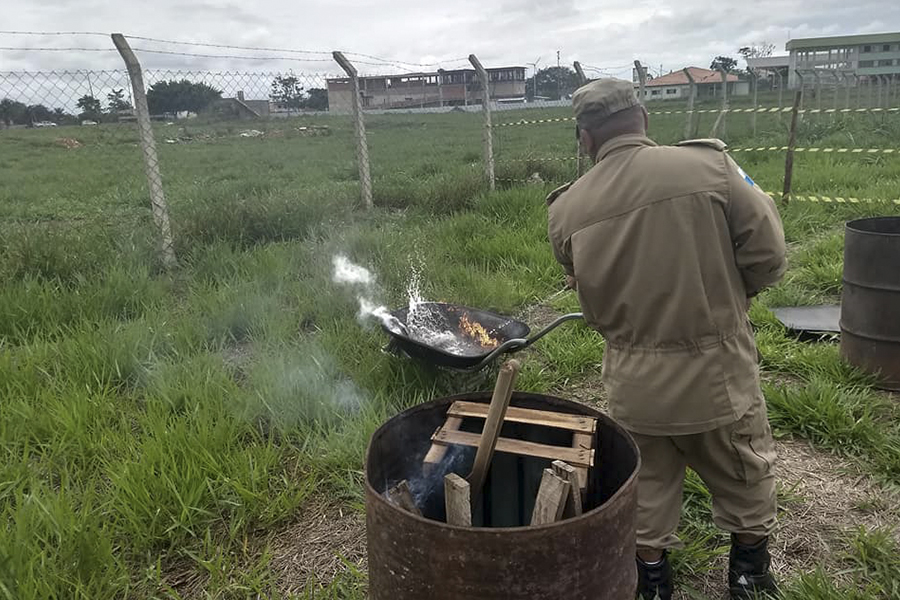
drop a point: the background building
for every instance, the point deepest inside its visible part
(675, 85)
(458, 87)
(865, 55)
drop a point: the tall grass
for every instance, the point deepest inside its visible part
(150, 420)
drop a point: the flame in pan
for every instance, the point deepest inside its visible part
(477, 332)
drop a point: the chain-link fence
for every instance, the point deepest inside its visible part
(260, 144)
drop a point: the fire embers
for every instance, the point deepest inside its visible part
(477, 332)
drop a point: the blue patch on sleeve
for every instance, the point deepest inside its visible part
(745, 176)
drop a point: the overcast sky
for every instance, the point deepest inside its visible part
(608, 34)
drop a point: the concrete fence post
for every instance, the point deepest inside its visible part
(789, 155)
(780, 90)
(818, 81)
(580, 156)
(579, 74)
(689, 130)
(488, 136)
(837, 88)
(148, 149)
(362, 148)
(642, 80)
(754, 81)
(719, 125)
(800, 77)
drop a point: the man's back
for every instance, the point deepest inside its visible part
(666, 244)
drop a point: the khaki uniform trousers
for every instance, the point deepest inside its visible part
(735, 461)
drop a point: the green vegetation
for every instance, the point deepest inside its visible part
(154, 423)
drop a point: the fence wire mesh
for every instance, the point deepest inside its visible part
(254, 144)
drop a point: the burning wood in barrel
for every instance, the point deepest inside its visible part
(562, 478)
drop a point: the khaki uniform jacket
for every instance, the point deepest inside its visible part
(667, 244)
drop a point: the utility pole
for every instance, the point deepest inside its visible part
(534, 78)
(558, 69)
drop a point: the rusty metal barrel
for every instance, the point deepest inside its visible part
(411, 557)
(870, 305)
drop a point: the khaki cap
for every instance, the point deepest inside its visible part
(603, 97)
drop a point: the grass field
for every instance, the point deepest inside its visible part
(157, 430)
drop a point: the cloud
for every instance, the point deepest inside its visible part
(607, 34)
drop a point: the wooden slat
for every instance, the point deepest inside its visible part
(437, 451)
(569, 473)
(583, 442)
(551, 499)
(579, 423)
(457, 500)
(402, 497)
(573, 456)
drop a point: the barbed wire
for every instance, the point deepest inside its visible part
(48, 49)
(48, 33)
(226, 46)
(379, 61)
(393, 62)
(231, 56)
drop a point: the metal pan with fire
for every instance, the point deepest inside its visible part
(459, 337)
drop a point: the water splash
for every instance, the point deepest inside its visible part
(425, 322)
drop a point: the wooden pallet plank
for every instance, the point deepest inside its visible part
(437, 451)
(579, 423)
(574, 456)
(401, 495)
(551, 499)
(457, 500)
(569, 473)
(583, 442)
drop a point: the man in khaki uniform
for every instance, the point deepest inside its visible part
(665, 246)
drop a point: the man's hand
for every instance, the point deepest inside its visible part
(571, 282)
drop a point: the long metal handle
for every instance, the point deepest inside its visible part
(551, 327)
(516, 344)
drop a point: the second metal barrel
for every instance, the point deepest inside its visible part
(870, 307)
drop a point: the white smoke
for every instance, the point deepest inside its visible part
(347, 272)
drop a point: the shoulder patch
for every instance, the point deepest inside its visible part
(743, 174)
(710, 142)
(552, 196)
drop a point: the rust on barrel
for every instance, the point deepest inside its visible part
(590, 556)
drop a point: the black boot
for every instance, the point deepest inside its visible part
(748, 571)
(655, 581)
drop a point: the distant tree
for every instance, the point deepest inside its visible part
(724, 62)
(91, 109)
(62, 117)
(755, 50)
(117, 102)
(39, 112)
(287, 92)
(552, 82)
(316, 99)
(174, 96)
(13, 112)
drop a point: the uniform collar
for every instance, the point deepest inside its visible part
(623, 141)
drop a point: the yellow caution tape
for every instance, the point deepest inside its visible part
(835, 199)
(537, 159)
(774, 196)
(763, 109)
(814, 149)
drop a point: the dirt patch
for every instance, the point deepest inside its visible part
(315, 547)
(310, 551)
(826, 498)
(70, 143)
